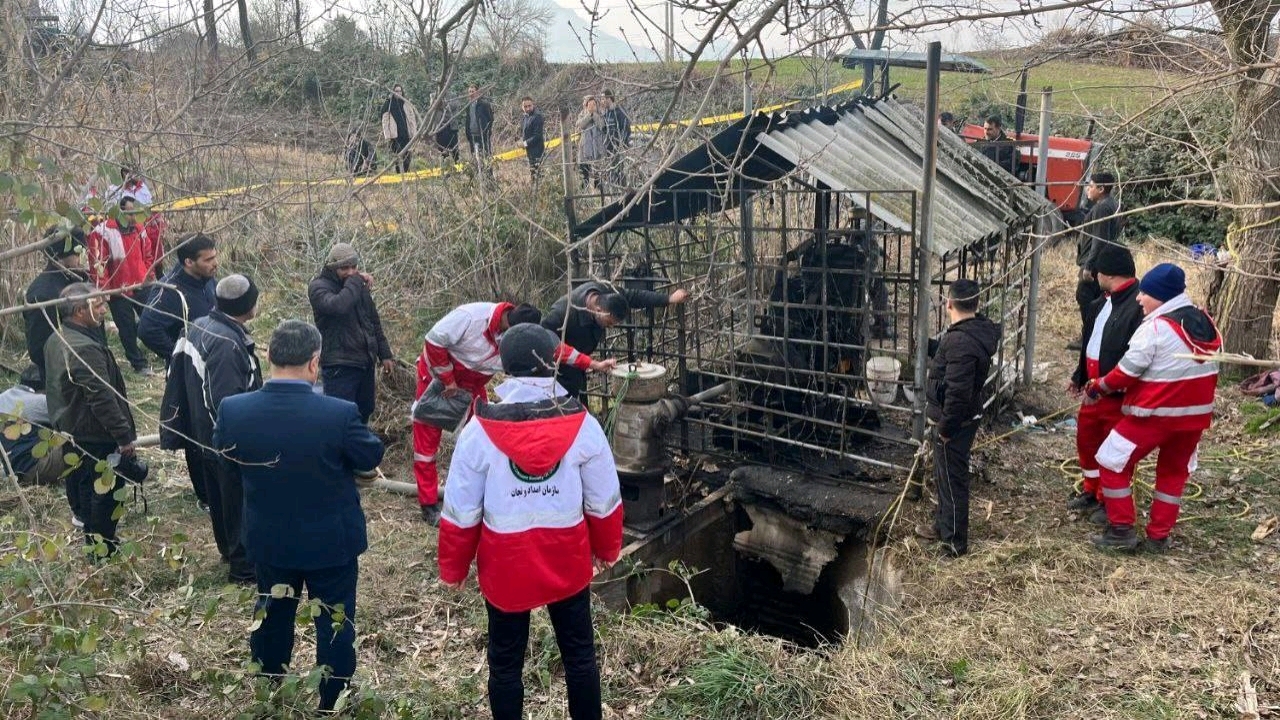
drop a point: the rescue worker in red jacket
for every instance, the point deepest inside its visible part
(533, 498)
(1109, 322)
(122, 254)
(461, 350)
(1168, 404)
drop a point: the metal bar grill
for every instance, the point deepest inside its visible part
(794, 293)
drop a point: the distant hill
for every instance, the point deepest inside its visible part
(569, 37)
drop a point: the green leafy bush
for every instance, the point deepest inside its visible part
(1169, 156)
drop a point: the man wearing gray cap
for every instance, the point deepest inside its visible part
(215, 359)
(347, 318)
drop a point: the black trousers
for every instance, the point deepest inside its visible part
(401, 156)
(196, 473)
(272, 643)
(447, 143)
(94, 508)
(573, 380)
(951, 471)
(1086, 292)
(351, 383)
(226, 514)
(125, 311)
(535, 162)
(509, 640)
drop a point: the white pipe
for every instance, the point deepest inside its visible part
(395, 486)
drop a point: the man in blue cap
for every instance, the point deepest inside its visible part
(1168, 404)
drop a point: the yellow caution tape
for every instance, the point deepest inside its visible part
(505, 156)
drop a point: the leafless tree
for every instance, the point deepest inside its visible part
(508, 28)
(246, 34)
(211, 30)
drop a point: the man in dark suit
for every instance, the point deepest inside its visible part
(303, 524)
(532, 136)
(479, 126)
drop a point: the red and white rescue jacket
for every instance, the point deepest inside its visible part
(532, 496)
(1157, 383)
(134, 188)
(120, 257)
(462, 347)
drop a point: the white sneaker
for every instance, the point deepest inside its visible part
(76, 522)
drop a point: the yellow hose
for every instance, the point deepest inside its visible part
(1192, 492)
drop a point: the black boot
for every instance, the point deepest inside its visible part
(1157, 547)
(1083, 502)
(1099, 516)
(431, 515)
(1117, 537)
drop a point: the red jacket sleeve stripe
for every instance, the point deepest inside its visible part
(456, 550)
(439, 362)
(606, 534)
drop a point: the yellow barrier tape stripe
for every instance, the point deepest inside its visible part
(505, 156)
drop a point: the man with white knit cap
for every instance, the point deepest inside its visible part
(215, 359)
(353, 342)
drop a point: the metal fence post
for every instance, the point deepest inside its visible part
(924, 279)
(1042, 226)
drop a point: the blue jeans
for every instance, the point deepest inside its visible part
(351, 383)
(272, 643)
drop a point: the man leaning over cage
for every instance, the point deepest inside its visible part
(582, 318)
(461, 353)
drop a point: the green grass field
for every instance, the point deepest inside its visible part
(1080, 89)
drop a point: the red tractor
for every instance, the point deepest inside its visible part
(1070, 160)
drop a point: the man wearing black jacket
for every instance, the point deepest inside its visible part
(532, 136)
(1099, 228)
(998, 146)
(362, 159)
(479, 125)
(581, 318)
(215, 360)
(957, 375)
(88, 402)
(1109, 323)
(167, 317)
(354, 344)
(62, 269)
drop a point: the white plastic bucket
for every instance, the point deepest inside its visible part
(882, 379)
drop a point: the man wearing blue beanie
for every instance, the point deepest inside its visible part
(1167, 406)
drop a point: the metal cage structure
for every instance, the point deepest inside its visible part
(800, 279)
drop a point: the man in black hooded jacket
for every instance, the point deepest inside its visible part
(957, 374)
(1100, 228)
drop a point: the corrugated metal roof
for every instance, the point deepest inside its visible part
(878, 145)
(865, 145)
